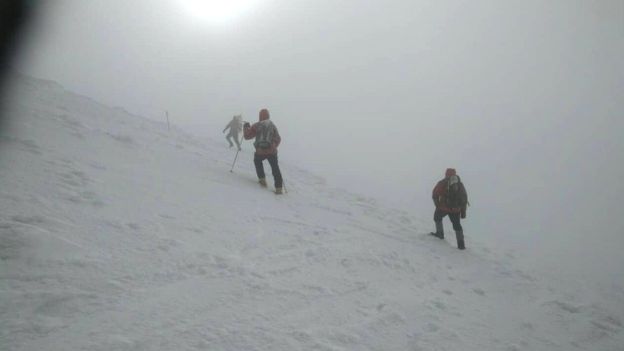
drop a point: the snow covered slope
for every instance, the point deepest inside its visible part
(116, 234)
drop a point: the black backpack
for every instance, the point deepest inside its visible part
(264, 134)
(453, 192)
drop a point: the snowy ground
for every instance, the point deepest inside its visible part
(117, 234)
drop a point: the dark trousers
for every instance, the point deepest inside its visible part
(439, 215)
(277, 175)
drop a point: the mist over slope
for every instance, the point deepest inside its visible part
(118, 234)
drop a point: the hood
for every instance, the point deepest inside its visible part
(264, 114)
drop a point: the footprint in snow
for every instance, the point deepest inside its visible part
(88, 197)
(34, 220)
(97, 166)
(607, 324)
(479, 292)
(405, 220)
(25, 145)
(563, 306)
(439, 305)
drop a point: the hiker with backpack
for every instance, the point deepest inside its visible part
(450, 198)
(235, 128)
(266, 143)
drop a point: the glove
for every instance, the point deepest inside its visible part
(463, 213)
(246, 125)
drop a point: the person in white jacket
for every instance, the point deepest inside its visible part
(235, 126)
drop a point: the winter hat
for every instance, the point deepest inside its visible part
(264, 114)
(450, 172)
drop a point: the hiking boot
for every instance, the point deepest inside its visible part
(460, 239)
(439, 233)
(278, 191)
(262, 182)
(460, 245)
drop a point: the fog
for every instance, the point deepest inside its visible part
(524, 98)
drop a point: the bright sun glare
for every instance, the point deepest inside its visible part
(217, 11)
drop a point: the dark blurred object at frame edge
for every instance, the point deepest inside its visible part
(15, 15)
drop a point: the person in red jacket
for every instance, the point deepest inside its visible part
(266, 143)
(450, 198)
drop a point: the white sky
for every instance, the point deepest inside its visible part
(525, 98)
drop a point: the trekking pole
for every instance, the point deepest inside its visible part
(237, 151)
(284, 183)
(233, 163)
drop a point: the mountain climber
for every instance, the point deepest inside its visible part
(235, 128)
(450, 198)
(266, 143)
